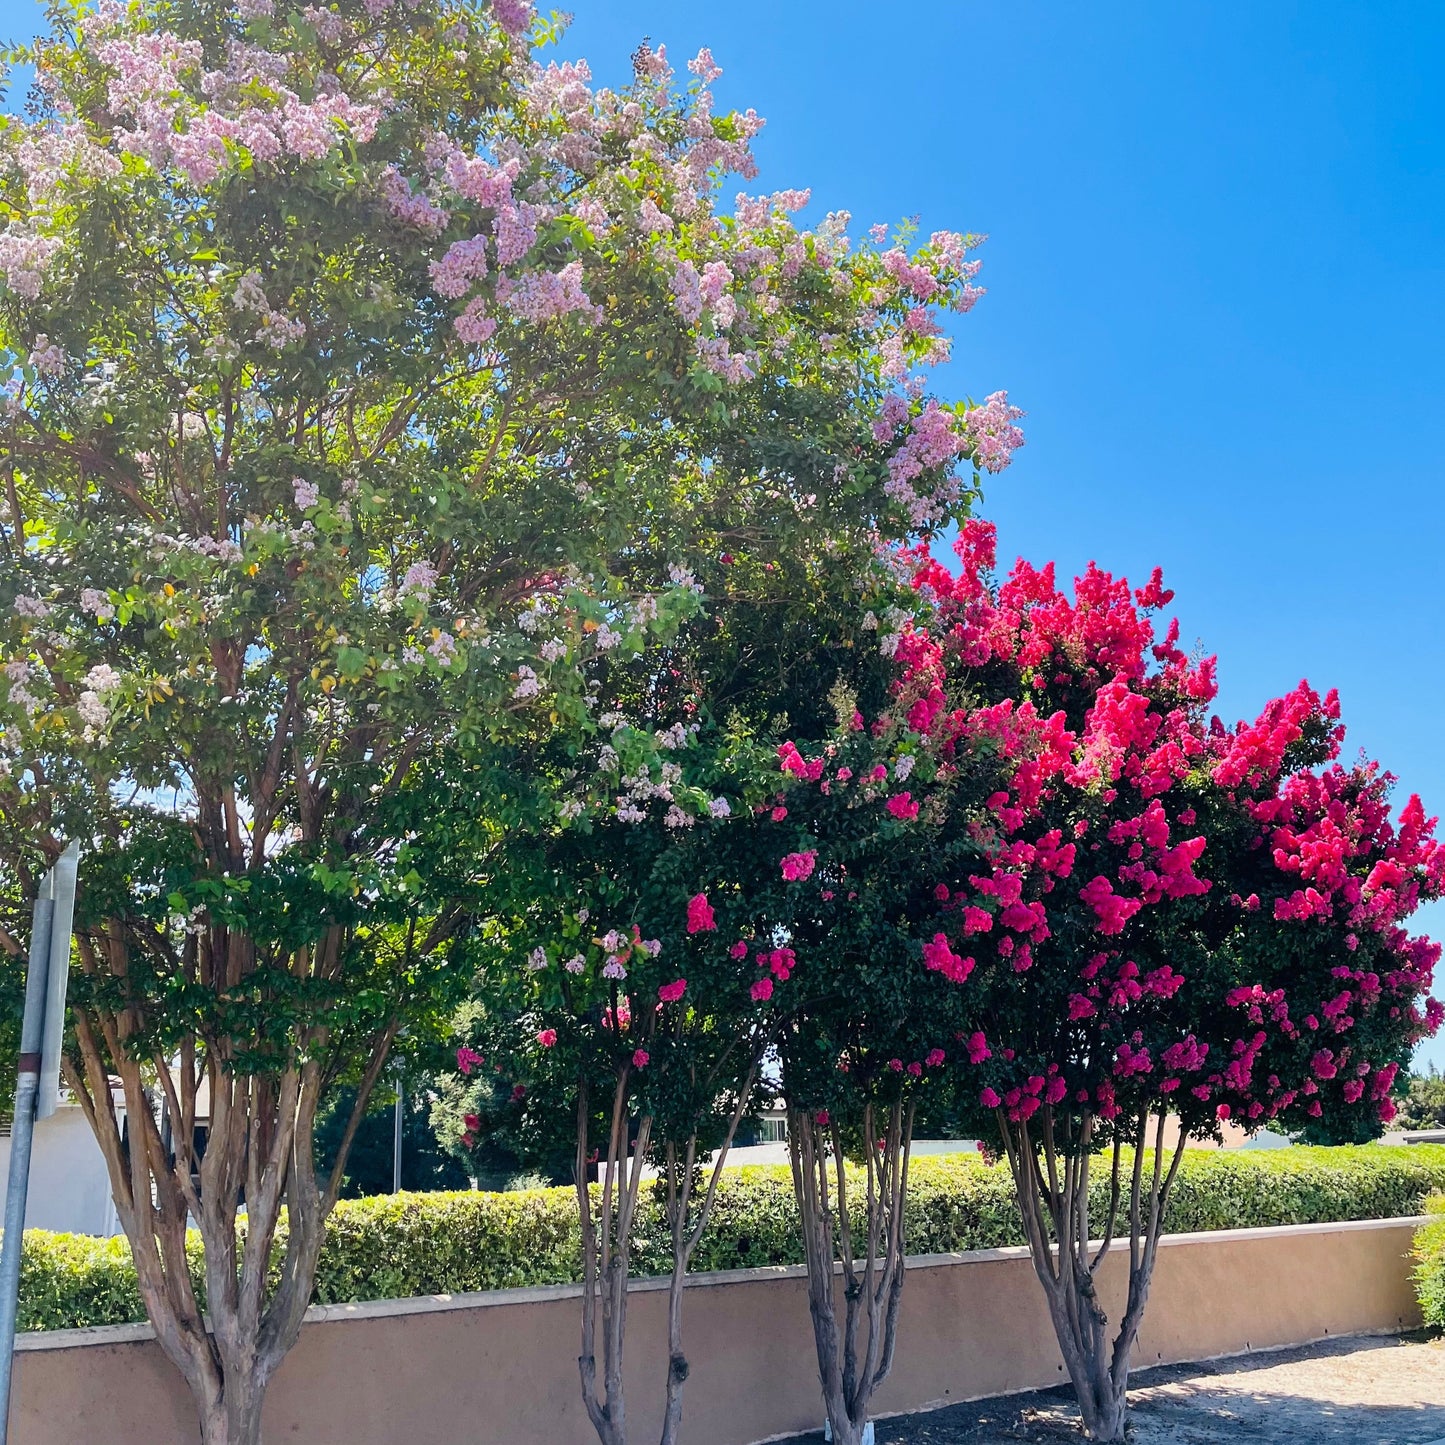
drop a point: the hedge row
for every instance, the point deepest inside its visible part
(1430, 1263)
(395, 1246)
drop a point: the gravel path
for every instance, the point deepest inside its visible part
(1353, 1392)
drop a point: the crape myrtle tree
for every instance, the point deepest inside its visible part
(643, 974)
(648, 1028)
(1172, 924)
(635, 968)
(876, 1016)
(626, 1030)
(349, 353)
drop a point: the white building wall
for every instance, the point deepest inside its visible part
(69, 1188)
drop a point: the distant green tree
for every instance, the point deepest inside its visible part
(425, 1165)
(12, 1005)
(476, 1117)
(1423, 1105)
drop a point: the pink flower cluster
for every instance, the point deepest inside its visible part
(185, 116)
(514, 16)
(541, 296)
(700, 917)
(990, 433)
(932, 443)
(1106, 766)
(799, 866)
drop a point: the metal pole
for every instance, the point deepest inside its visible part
(395, 1147)
(27, 1086)
(61, 890)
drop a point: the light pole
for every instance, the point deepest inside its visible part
(398, 1070)
(396, 1133)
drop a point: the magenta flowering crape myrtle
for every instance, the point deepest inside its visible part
(1171, 925)
(650, 1043)
(873, 1020)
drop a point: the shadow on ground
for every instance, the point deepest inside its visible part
(1345, 1392)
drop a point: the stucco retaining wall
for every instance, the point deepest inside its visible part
(500, 1368)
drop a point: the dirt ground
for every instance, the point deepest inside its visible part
(1359, 1391)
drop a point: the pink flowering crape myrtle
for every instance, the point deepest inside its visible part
(649, 1047)
(873, 1021)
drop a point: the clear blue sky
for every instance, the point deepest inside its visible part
(1216, 281)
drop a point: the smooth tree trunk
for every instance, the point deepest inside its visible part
(608, 1215)
(686, 1227)
(258, 1267)
(1050, 1164)
(606, 1255)
(855, 1354)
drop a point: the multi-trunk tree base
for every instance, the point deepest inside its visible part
(856, 1354)
(253, 1196)
(1050, 1164)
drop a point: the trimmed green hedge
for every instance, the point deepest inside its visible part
(395, 1246)
(70, 1281)
(1430, 1263)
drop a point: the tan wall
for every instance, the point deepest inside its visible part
(500, 1369)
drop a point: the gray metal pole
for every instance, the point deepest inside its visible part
(27, 1087)
(395, 1147)
(61, 888)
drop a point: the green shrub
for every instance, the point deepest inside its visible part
(394, 1246)
(1430, 1263)
(71, 1281)
(1233, 1190)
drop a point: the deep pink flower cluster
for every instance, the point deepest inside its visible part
(1323, 829)
(1108, 769)
(940, 957)
(1112, 911)
(792, 761)
(700, 917)
(797, 867)
(780, 963)
(1254, 754)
